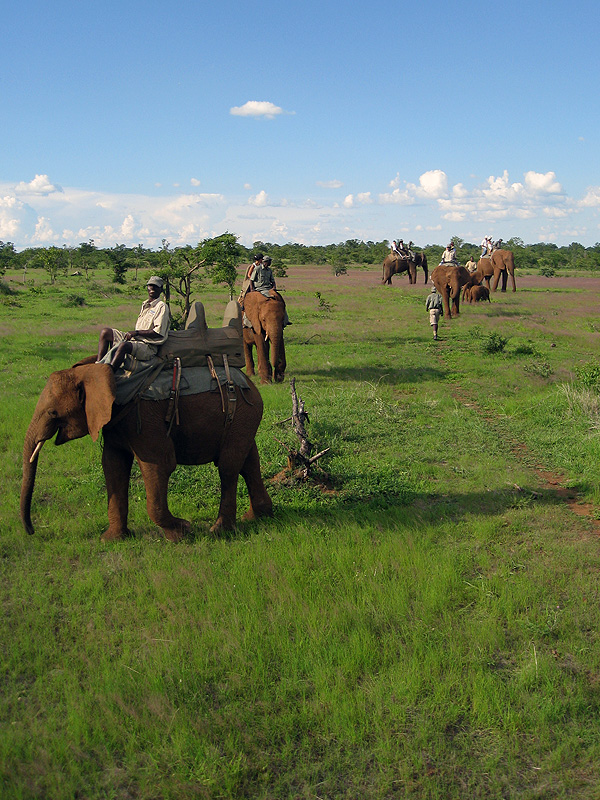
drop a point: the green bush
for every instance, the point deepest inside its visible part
(589, 374)
(72, 300)
(494, 343)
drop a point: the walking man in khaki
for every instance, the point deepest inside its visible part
(435, 305)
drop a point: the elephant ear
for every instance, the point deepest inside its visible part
(99, 388)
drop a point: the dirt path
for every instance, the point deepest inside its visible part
(548, 481)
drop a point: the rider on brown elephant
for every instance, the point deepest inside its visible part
(151, 329)
(449, 254)
(262, 280)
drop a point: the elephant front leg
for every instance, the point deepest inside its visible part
(156, 480)
(262, 353)
(248, 356)
(117, 471)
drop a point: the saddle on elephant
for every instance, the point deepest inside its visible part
(198, 342)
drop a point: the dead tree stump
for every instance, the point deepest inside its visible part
(300, 461)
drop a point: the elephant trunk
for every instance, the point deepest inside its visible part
(31, 449)
(34, 441)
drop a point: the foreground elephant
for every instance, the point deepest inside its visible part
(501, 262)
(394, 265)
(267, 316)
(448, 280)
(79, 400)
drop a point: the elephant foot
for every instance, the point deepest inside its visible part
(115, 535)
(257, 513)
(178, 532)
(279, 376)
(222, 525)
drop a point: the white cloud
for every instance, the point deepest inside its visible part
(402, 198)
(258, 108)
(433, 184)
(39, 185)
(330, 184)
(194, 181)
(261, 199)
(546, 183)
(10, 217)
(43, 232)
(349, 201)
(592, 197)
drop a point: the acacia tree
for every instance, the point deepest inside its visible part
(119, 255)
(86, 254)
(185, 267)
(52, 260)
(7, 255)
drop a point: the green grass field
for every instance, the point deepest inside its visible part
(424, 627)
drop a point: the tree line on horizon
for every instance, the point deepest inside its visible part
(218, 258)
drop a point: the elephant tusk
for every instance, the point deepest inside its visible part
(35, 453)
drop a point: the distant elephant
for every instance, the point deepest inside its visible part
(477, 294)
(267, 316)
(394, 265)
(501, 262)
(448, 279)
(79, 400)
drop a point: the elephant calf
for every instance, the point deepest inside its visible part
(478, 294)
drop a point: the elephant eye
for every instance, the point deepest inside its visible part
(53, 413)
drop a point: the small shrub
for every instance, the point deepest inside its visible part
(324, 306)
(539, 367)
(589, 374)
(525, 349)
(73, 300)
(5, 288)
(548, 272)
(494, 343)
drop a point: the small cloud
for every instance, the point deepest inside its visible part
(542, 183)
(39, 185)
(433, 183)
(158, 185)
(247, 186)
(177, 185)
(195, 182)
(349, 201)
(335, 184)
(258, 108)
(261, 199)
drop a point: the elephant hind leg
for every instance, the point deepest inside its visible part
(261, 504)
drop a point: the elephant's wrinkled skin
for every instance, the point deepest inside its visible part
(79, 400)
(448, 280)
(501, 262)
(267, 317)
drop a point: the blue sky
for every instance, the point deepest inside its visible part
(132, 122)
